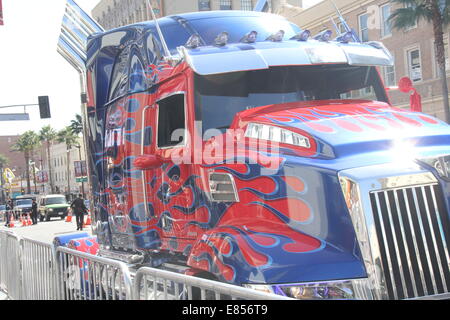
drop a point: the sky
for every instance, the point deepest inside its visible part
(30, 66)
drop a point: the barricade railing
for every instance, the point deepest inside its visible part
(39, 271)
(156, 284)
(83, 276)
(10, 265)
(32, 270)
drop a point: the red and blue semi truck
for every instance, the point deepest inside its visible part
(234, 146)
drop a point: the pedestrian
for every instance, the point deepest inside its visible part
(34, 212)
(79, 208)
(8, 213)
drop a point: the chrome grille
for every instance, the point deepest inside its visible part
(413, 231)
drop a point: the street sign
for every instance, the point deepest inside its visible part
(14, 116)
(82, 179)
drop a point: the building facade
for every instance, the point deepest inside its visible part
(63, 168)
(115, 13)
(413, 49)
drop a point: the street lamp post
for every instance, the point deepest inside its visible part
(81, 163)
(2, 183)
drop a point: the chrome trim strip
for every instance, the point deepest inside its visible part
(388, 256)
(405, 244)
(413, 234)
(397, 251)
(427, 253)
(433, 237)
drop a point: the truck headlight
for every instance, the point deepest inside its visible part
(50, 210)
(441, 164)
(330, 290)
(276, 134)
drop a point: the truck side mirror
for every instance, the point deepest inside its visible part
(405, 85)
(147, 162)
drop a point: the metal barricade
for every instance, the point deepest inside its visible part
(156, 284)
(39, 271)
(83, 276)
(10, 266)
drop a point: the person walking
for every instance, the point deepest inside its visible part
(34, 212)
(79, 208)
(8, 213)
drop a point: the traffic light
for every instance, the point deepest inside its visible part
(44, 107)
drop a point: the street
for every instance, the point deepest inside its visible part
(45, 231)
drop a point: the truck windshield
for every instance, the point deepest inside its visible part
(24, 202)
(61, 200)
(219, 97)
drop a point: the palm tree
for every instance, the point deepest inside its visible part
(67, 136)
(3, 162)
(26, 143)
(436, 12)
(48, 135)
(77, 125)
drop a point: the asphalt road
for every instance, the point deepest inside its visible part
(45, 231)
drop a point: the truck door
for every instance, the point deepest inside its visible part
(174, 191)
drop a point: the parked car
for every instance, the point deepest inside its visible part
(52, 205)
(23, 204)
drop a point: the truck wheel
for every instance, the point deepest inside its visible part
(63, 217)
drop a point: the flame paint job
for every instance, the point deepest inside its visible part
(291, 223)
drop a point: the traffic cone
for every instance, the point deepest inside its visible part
(11, 220)
(22, 221)
(88, 220)
(29, 222)
(69, 216)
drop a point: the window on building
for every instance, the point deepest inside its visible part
(363, 27)
(385, 24)
(204, 5)
(225, 5)
(414, 65)
(389, 76)
(171, 118)
(246, 5)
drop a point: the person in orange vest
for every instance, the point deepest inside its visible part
(79, 208)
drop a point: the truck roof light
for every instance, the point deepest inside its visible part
(250, 37)
(222, 39)
(324, 36)
(345, 38)
(302, 36)
(276, 37)
(193, 42)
